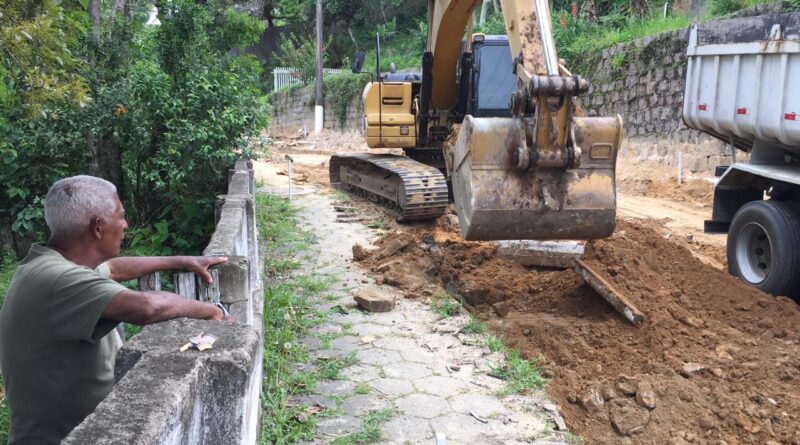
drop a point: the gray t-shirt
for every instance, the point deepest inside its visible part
(56, 353)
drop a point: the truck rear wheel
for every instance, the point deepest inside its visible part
(764, 247)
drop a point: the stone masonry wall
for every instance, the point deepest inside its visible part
(293, 111)
(643, 81)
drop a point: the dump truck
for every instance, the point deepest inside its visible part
(492, 119)
(743, 87)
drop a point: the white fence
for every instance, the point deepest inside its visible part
(288, 76)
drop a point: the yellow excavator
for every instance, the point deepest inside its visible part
(495, 117)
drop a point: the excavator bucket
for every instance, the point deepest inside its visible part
(495, 200)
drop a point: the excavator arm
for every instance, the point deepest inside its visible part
(525, 177)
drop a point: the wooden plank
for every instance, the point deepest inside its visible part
(185, 284)
(209, 292)
(609, 292)
(150, 282)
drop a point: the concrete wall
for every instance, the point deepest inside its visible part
(293, 112)
(164, 396)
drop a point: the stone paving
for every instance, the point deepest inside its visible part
(410, 360)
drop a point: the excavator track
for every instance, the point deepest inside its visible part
(418, 190)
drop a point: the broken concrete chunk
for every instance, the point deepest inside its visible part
(645, 396)
(609, 393)
(392, 247)
(502, 308)
(359, 252)
(383, 267)
(627, 385)
(374, 299)
(627, 417)
(452, 219)
(593, 401)
(691, 368)
(540, 253)
(682, 315)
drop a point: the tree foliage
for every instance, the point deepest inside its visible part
(171, 101)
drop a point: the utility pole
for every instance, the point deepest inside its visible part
(319, 111)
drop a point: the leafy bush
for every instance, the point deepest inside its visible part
(170, 102)
(724, 7)
(301, 52)
(341, 89)
(182, 117)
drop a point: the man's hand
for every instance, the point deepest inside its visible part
(200, 264)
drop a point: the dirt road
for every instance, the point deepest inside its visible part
(716, 361)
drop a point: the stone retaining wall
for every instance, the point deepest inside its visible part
(293, 112)
(164, 396)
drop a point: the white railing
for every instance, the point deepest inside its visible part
(288, 76)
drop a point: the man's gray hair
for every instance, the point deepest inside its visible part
(72, 203)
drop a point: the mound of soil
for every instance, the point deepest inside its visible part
(716, 361)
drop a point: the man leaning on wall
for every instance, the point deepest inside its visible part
(57, 336)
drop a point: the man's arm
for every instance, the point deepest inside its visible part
(129, 268)
(143, 308)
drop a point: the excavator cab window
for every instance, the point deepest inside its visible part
(494, 79)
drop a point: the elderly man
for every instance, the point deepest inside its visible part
(57, 336)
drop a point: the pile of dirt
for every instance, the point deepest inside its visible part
(716, 361)
(695, 191)
(658, 181)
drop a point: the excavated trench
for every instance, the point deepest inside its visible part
(716, 361)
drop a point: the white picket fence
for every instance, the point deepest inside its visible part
(288, 76)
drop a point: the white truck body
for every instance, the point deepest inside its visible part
(743, 87)
(750, 90)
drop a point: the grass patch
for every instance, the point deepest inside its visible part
(376, 225)
(521, 375)
(340, 195)
(445, 306)
(288, 314)
(474, 326)
(495, 344)
(362, 388)
(277, 222)
(584, 36)
(370, 431)
(332, 369)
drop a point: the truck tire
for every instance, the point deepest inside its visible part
(764, 247)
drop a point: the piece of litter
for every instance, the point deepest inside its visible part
(339, 310)
(440, 439)
(478, 418)
(200, 342)
(479, 384)
(367, 339)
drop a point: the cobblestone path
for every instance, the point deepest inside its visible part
(412, 374)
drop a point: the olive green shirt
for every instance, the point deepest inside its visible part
(56, 353)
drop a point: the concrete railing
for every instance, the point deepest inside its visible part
(165, 396)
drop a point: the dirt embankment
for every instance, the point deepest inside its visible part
(716, 361)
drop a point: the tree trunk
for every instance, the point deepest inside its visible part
(350, 33)
(91, 144)
(484, 7)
